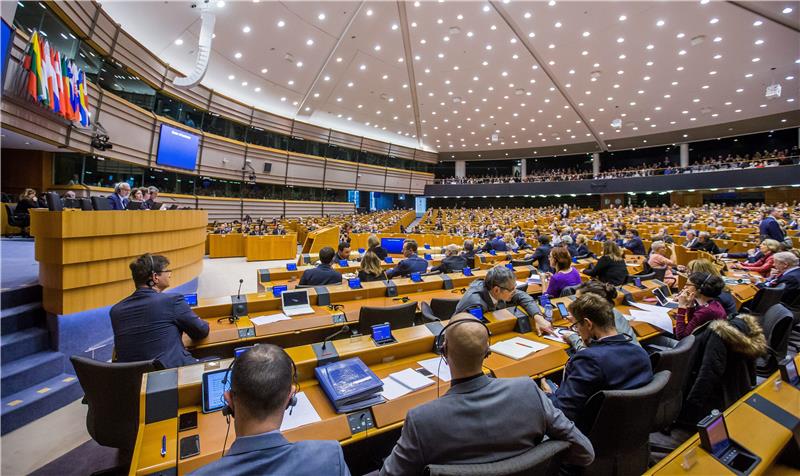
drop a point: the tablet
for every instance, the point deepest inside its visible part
(213, 390)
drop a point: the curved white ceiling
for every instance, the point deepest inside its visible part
(533, 73)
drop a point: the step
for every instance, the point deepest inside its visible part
(20, 295)
(23, 407)
(25, 342)
(21, 317)
(30, 371)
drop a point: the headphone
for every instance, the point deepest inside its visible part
(150, 282)
(440, 343)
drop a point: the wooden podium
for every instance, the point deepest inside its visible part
(318, 239)
(270, 247)
(84, 255)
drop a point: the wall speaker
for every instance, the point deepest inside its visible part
(267, 167)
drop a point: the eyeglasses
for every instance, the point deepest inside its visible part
(164, 271)
(574, 326)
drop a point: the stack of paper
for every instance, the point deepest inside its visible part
(301, 414)
(438, 367)
(403, 382)
(517, 347)
(535, 278)
(557, 338)
(653, 315)
(261, 320)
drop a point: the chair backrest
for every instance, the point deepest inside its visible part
(659, 273)
(10, 215)
(54, 203)
(86, 204)
(623, 421)
(642, 277)
(777, 325)
(542, 459)
(568, 291)
(397, 316)
(765, 298)
(444, 308)
(676, 361)
(101, 203)
(112, 393)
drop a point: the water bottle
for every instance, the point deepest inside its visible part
(548, 311)
(637, 282)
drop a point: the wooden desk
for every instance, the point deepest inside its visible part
(270, 247)
(225, 245)
(84, 255)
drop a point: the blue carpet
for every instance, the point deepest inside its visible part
(18, 267)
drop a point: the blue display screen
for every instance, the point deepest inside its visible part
(477, 312)
(177, 148)
(393, 245)
(7, 35)
(381, 332)
(191, 299)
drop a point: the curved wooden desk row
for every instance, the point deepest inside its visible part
(254, 248)
(84, 256)
(751, 428)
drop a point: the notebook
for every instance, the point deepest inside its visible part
(517, 347)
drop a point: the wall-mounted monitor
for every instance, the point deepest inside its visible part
(5, 45)
(393, 245)
(177, 148)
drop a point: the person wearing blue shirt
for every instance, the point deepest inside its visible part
(769, 226)
(120, 198)
(412, 264)
(322, 274)
(634, 243)
(261, 392)
(610, 362)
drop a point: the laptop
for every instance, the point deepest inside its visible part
(663, 300)
(295, 302)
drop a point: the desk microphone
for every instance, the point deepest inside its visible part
(345, 328)
(404, 299)
(239, 292)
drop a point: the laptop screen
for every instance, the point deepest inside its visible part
(718, 436)
(295, 298)
(663, 300)
(213, 390)
(381, 332)
(791, 371)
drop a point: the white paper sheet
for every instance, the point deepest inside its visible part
(438, 367)
(302, 414)
(393, 389)
(517, 347)
(411, 379)
(261, 320)
(651, 308)
(657, 319)
(558, 339)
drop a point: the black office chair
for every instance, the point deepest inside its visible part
(54, 202)
(569, 291)
(621, 427)
(777, 324)
(21, 222)
(542, 459)
(397, 316)
(659, 273)
(522, 287)
(764, 299)
(642, 277)
(438, 309)
(676, 361)
(112, 393)
(101, 204)
(521, 262)
(86, 204)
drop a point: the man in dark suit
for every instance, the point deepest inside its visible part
(343, 252)
(153, 191)
(634, 243)
(691, 239)
(412, 264)
(787, 273)
(148, 324)
(261, 391)
(119, 199)
(469, 253)
(322, 274)
(769, 226)
(705, 243)
(452, 261)
(478, 419)
(611, 362)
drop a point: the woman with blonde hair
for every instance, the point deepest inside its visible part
(374, 245)
(27, 200)
(661, 258)
(611, 267)
(371, 268)
(764, 265)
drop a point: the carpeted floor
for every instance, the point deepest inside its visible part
(18, 267)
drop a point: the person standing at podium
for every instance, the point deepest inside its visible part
(149, 323)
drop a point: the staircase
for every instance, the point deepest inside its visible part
(33, 381)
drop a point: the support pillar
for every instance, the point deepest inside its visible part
(461, 168)
(596, 164)
(684, 155)
(523, 167)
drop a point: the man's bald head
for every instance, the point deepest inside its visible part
(466, 344)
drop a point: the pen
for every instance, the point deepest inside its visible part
(164, 446)
(524, 345)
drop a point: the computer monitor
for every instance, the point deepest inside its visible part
(177, 148)
(393, 245)
(214, 389)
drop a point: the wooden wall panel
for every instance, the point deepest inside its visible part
(230, 109)
(272, 122)
(341, 175)
(303, 209)
(347, 208)
(398, 181)
(370, 178)
(260, 155)
(418, 182)
(267, 209)
(221, 157)
(344, 139)
(221, 209)
(375, 146)
(305, 171)
(310, 132)
(130, 129)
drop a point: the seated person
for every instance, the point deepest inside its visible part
(279, 230)
(498, 291)
(469, 253)
(720, 234)
(541, 255)
(119, 199)
(478, 419)
(634, 243)
(581, 247)
(609, 293)
(323, 274)
(452, 261)
(566, 241)
(511, 243)
(261, 390)
(611, 362)
(371, 268)
(412, 264)
(374, 245)
(764, 265)
(611, 267)
(663, 235)
(786, 273)
(697, 303)
(565, 275)
(137, 195)
(705, 243)
(27, 200)
(725, 297)
(149, 323)
(153, 191)
(495, 243)
(691, 239)
(661, 257)
(343, 253)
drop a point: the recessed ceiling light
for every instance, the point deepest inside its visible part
(748, 75)
(551, 46)
(620, 39)
(469, 34)
(488, 47)
(179, 42)
(552, 3)
(789, 78)
(316, 95)
(649, 63)
(264, 70)
(258, 90)
(486, 8)
(377, 47)
(220, 4)
(291, 82)
(679, 68)
(283, 99)
(326, 78)
(717, 39)
(440, 55)
(759, 42)
(281, 23)
(714, 21)
(622, 56)
(246, 29)
(650, 47)
(660, 23)
(531, 34)
(299, 64)
(369, 13)
(557, 24)
(622, 18)
(755, 60)
(362, 67)
(440, 21)
(584, 52)
(703, 2)
(717, 57)
(758, 23)
(231, 77)
(680, 35)
(237, 55)
(787, 11)
(309, 42)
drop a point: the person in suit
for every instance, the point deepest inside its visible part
(611, 267)
(279, 230)
(149, 323)
(769, 226)
(611, 362)
(564, 213)
(343, 251)
(119, 199)
(787, 272)
(262, 389)
(477, 420)
(469, 253)
(322, 274)
(153, 196)
(412, 264)
(374, 245)
(705, 243)
(720, 234)
(371, 268)
(691, 239)
(27, 200)
(498, 291)
(452, 261)
(609, 293)
(634, 243)
(541, 255)
(581, 247)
